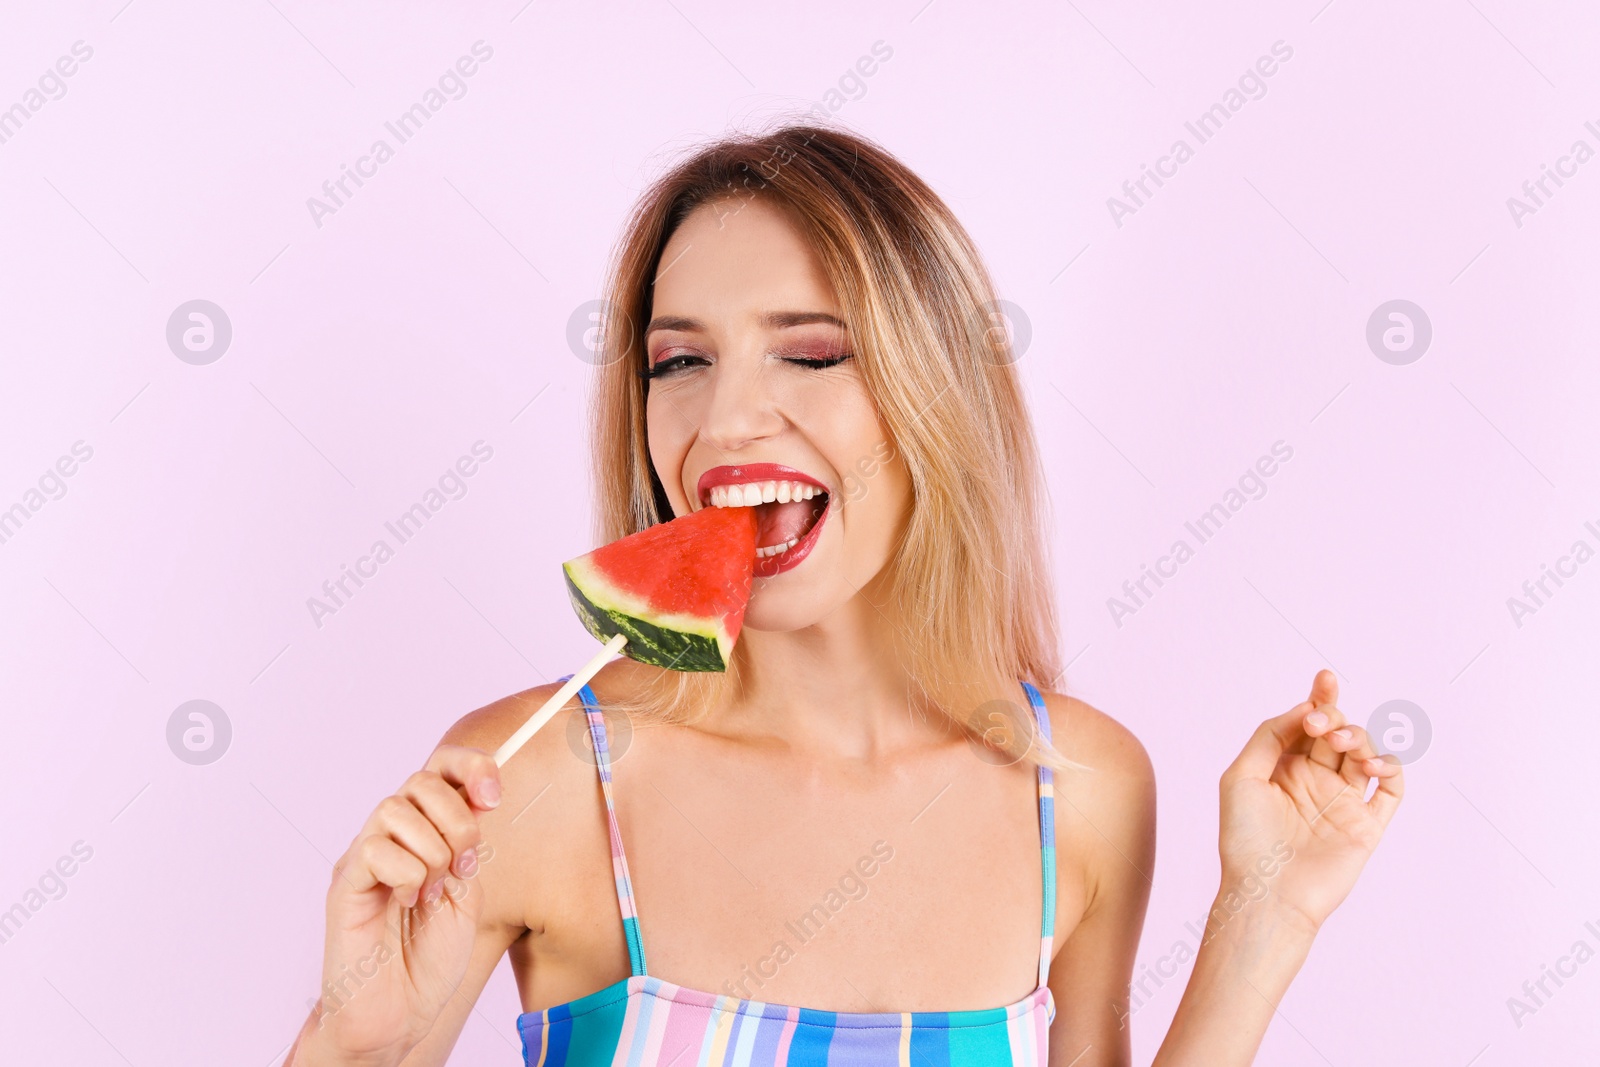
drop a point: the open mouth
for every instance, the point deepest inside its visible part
(790, 509)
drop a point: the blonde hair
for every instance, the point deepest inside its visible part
(970, 578)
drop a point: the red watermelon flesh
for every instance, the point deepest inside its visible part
(677, 590)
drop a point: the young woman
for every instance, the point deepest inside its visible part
(879, 837)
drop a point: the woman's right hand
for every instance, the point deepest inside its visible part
(402, 913)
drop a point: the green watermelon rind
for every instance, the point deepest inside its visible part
(679, 643)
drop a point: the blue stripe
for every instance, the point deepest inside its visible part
(630, 927)
(809, 1048)
(560, 1027)
(930, 1040)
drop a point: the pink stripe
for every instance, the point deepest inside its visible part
(686, 1025)
(789, 1024)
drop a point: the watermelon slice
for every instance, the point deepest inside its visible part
(677, 590)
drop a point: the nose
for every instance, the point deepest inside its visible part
(741, 408)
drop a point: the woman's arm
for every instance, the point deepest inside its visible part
(1243, 968)
(1105, 853)
(1295, 832)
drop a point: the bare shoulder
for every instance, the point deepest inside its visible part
(1084, 734)
(1106, 813)
(489, 726)
(550, 817)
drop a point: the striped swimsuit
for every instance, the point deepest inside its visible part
(643, 1021)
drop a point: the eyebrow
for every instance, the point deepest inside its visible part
(772, 320)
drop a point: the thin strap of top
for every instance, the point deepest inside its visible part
(624, 882)
(619, 860)
(1047, 836)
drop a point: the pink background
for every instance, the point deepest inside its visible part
(432, 310)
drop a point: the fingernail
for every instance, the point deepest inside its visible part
(1344, 735)
(466, 863)
(489, 793)
(433, 891)
(1318, 719)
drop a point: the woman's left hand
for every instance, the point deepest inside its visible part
(1294, 813)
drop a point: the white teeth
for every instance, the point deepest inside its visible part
(750, 494)
(773, 550)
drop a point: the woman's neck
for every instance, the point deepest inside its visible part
(836, 688)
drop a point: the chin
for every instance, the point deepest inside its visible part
(807, 595)
(783, 607)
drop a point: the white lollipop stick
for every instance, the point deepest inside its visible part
(560, 697)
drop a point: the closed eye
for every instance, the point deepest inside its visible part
(675, 364)
(821, 362)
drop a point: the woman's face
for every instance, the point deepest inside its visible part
(755, 385)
